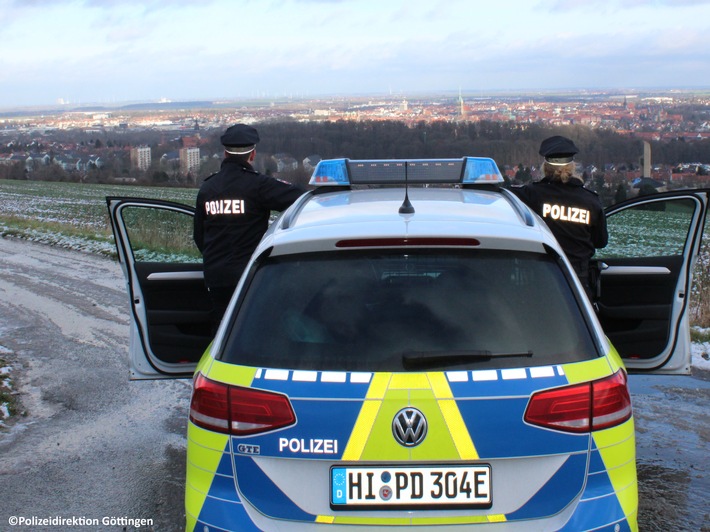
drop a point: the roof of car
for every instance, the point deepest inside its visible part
(455, 206)
(493, 217)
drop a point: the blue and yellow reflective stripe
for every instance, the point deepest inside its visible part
(207, 449)
(366, 419)
(617, 448)
(452, 416)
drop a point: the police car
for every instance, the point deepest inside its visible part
(409, 347)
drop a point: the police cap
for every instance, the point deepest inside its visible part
(558, 150)
(239, 139)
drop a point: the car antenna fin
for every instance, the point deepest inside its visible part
(406, 207)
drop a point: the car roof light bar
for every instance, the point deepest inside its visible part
(464, 171)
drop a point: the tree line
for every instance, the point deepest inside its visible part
(510, 144)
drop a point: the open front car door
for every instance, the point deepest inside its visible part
(646, 278)
(170, 306)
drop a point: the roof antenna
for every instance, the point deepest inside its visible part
(406, 207)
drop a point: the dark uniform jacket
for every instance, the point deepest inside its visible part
(573, 213)
(232, 214)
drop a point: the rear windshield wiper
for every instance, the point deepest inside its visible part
(419, 359)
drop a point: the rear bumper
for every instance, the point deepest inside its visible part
(608, 501)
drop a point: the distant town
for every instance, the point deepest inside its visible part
(177, 142)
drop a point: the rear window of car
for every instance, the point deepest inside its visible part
(408, 310)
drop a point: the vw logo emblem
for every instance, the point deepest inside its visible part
(409, 427)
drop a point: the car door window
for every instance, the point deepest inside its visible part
(160, 235)
(658, 229)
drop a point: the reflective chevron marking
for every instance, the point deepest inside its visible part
(452, 376)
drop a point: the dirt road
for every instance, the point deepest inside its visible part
(92, 445)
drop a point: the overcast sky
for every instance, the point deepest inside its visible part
(113, 51)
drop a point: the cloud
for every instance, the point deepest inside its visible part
(98, 49)
(106, 4)
(616, 5)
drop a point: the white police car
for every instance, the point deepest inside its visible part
(416, 356)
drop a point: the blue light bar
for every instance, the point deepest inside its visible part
(466, 171)
(333, 172)
(480, 170)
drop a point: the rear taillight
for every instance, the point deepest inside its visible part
(209, 407)
(583, 407)
(236, 410)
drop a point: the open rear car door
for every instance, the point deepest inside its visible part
(646, 278)
(170, 306)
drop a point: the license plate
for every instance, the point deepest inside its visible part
(447, 486)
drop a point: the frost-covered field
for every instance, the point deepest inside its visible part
(638, 233)
(70, 215)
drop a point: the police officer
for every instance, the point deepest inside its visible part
(232, 214)
(573, 213)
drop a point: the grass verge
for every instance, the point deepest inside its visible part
(8, 400)
(59, 234)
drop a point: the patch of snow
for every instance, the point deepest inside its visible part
(700, 355)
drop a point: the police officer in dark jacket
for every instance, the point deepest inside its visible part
(573, 213)
(232, 214)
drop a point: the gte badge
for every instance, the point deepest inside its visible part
(244, 448)
(409, 427)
